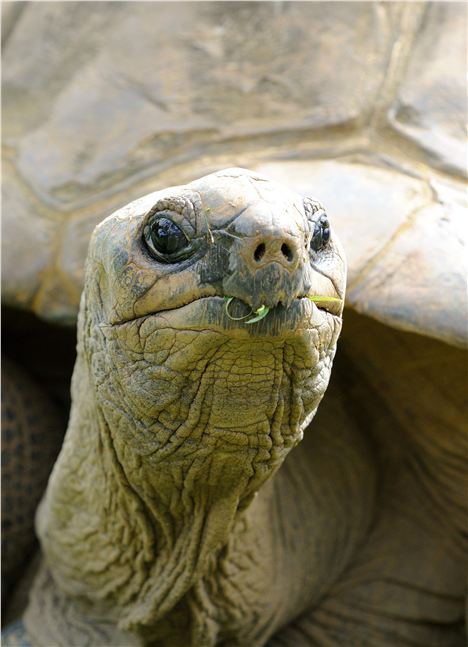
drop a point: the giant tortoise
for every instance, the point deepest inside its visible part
(207, 330)
(359, 104)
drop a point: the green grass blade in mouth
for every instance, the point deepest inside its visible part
(228, 301)
(319, 299)
(261, 313)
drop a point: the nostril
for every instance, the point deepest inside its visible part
(287, 252)
(259, 252)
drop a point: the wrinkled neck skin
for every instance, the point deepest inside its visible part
(151, 528)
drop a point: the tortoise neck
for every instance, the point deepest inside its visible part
(123, 529)
(139, 564)
(162, 459)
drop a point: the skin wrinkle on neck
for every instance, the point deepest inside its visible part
(160, 508)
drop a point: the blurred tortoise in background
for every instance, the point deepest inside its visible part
(360, 104)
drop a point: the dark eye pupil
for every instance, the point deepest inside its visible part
(321, 234)
(166, 236)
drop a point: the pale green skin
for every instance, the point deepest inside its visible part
(151, 518)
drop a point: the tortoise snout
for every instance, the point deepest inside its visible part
(283, 250)
(267, 269)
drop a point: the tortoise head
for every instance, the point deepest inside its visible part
(229, 234)
(182, 406)
(211, 315)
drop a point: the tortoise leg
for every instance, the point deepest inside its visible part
(32, 433)
(405, 586)
(400, 591)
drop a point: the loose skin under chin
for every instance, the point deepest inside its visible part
(268, 569)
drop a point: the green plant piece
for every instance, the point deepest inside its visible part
(261, 313)
(317, 298)
(228, 301)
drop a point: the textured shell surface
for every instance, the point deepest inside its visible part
(359, 104)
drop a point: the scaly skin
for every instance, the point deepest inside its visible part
(151, 527)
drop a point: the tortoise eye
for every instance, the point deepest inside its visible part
(165, 240)
(321, 233)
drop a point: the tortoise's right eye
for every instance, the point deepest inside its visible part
(321, 233)
(165, 240)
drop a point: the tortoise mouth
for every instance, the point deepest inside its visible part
(247, 315)
(210, 312)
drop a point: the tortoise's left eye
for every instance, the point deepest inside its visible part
(321, 233)
(165, 240)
